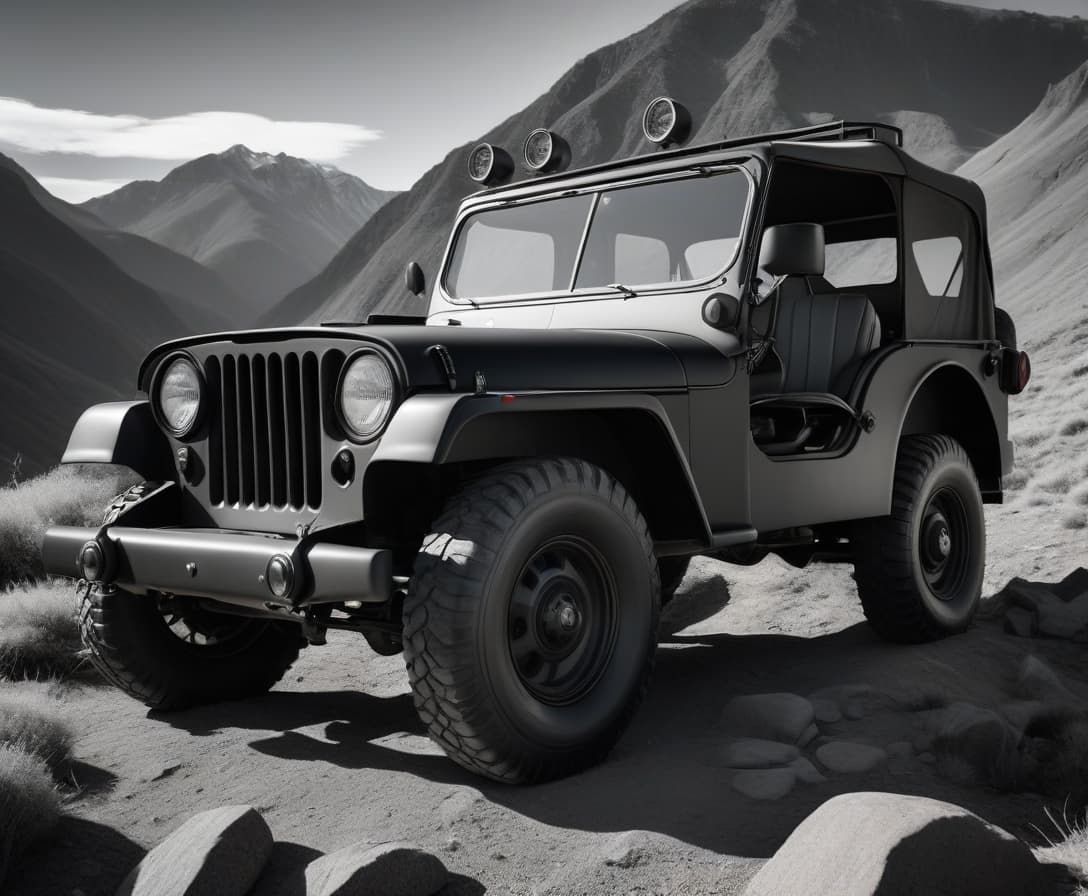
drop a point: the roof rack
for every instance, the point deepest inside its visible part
(832, 130)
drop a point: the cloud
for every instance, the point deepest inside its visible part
(74, 189)
(33, 129)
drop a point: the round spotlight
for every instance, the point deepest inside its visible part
(92, 562)
(665, 122)
(280, 575)
(545, 151)
(489, 165)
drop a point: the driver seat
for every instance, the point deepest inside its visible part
(821, 341)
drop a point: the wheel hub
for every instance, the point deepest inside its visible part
(942, 548)
(562, 621)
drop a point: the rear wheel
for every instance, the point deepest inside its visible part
(530, 621)
(919, 570)
(172, 652)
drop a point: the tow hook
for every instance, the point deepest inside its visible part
(312, 630)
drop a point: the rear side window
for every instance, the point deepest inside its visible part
(940, 262)
(861, 262)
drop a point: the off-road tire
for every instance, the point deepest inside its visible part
(462, 648)
(130, 644)
(672, 571)
(907, 595)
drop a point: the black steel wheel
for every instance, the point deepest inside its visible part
(173, 652)
(530, 621)
(919, 570)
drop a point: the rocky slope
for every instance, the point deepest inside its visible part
(265, 223)
(958, 76)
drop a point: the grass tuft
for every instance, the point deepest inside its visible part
(1075, 519)
(29, 803)
(39, 635)
(34, 721)
(67, 496)
(1068, 846)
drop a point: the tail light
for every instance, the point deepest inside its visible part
(1015, 371)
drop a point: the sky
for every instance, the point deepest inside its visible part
(93, 95)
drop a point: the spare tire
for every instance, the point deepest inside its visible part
(1004, 328)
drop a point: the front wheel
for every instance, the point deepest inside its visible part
(919, 570)
(530, 621)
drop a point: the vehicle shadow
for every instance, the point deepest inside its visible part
(665, 775)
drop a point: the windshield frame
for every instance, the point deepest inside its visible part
(557, 191)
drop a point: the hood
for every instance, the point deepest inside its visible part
(510, 360)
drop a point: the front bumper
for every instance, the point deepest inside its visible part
(227, 566)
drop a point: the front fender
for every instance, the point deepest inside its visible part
(122, 433)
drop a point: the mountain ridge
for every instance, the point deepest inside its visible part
(263, 222)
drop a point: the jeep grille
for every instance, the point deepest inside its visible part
(264, 444)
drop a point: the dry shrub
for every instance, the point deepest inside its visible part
(29, 803)
(1016, 480)
(1068, 846)
(1075, 519)
(1075, 427)
(67, 496)
(34, 721)
(39, 637)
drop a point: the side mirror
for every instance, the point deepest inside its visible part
(793, 250)
(414, 279)
(722, 311)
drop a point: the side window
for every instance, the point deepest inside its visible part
(641, 259)
(861, 262)
(940, 262)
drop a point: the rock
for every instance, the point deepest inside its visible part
(808, 736)
(862, 844)
(1020, 622)
(806, 772)
(215, 853)
(781, 717)
(754, 753)
(979, 736)
(1061, 620)
(765, 784)
(900, 748)
(1021, 713)
(391, 869)
(1073, 586)
(1037, 681)
(849, 758)
(628, 850)
(856, 700)
(827, 711)
(1054, 610)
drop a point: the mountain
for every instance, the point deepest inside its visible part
(188, 284)
(75, 324)
(265, 223)
(1036, 184)
(958, 76)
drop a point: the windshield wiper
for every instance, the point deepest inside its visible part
(628, 293)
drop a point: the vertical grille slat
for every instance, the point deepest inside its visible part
(264, 444)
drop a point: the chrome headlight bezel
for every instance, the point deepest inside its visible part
(156, 395)
(375, 431)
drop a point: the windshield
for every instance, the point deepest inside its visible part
(652, 234)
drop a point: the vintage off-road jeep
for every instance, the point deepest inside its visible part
(781, 344)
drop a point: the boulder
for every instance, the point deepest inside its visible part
(1073, 586)
(849, 758)
(1021, 622)
(884, 844)
(755, 753)
(1037, 681)
(806, 772)
(1051, 611)
(856, 700)
(764, 784)
(783, 717)
(980, 736)
(219, 852)
(366, 869)
(827, 711)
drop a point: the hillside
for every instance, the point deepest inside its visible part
(264, 223)
(190, 285)
(1036, 184)
(74, 329)
(947, 71)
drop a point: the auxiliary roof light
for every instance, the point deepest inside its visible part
(546, 152)
(665, 122)
(489, 165)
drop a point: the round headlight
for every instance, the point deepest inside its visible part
(665, 121)
(489, 164)
(366, 395)
(545, 151)
(180, 388)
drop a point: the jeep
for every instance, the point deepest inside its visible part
(780, 344)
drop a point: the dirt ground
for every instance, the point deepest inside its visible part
(336, 753)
